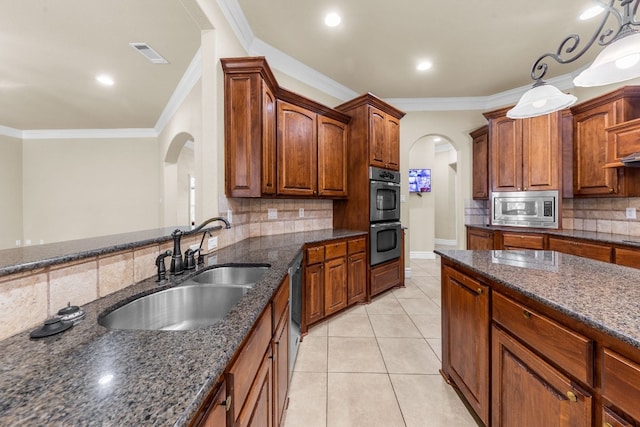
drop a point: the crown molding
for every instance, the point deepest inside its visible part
(12, 132)
(235, 17)
(89, 133)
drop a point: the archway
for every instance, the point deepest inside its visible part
(179, 181)
(432, 214)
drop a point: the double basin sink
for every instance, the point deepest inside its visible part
(202, 300)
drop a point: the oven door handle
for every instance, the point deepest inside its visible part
(391, 184)
(386, 224)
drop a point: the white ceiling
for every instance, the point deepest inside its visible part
(50, 51)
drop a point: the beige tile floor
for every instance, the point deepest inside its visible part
(377, 364)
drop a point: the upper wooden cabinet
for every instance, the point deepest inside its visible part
(278, 143)
(375, 130)
(594, 146)
(525, 153)
(480, 141)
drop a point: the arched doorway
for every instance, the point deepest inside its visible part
(180, 181)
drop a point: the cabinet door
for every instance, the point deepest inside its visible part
(332, 157)
(481, 163)
(540, 152)
(386, 276)
(611, 419)
(583, 249)
(526, 391)
(479, 240)
(377, 138)
(465, 330)
(506, 154)
(522, 241)
(258, 408)
(268, 141)
(297, 151)
(314, 293)
(280, 368)
(628, 257)
(590, 153)
(216, 415)
(357, 280)
(335, 285)
(393, 143)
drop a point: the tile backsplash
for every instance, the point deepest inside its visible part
(604, 215)
(476, 212)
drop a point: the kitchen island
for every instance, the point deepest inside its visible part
(90, 375)
(542, 338)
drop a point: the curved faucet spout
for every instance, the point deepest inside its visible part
(210, 220)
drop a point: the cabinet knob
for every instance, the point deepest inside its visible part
(572, 396)
(479, 291)
(607, 424)
(526, 314)
(610, 190)
(227, 403)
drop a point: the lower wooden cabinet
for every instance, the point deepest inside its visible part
(313, 293)
(583, 249)
(386, 276)
(335, 285)
(215, 413)
(611, 419)
(479, 239)
(527, 391)
(257, 410)
(465, 338)
(627, 257)
(621, 383)
(522, 241)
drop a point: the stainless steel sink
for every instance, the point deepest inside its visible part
(201, 301)
(231, 275)
(181, 308)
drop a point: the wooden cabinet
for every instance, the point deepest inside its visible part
(478, 239)
(525, 153)
(335, 276)
(527, 391)
(386, 276)
(522, 241)
(621, 383)
(250, 128)
(594, 146)
(574, 247)
(357, 271)
(258, 408)
(628, 257)
(480, 142)
(384, 134)
(465, 338)
(278, 143)
(214, 413)
(280, 351)
(297, 150)
(611, 419)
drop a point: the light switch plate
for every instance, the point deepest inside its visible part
(212, 243)
(272, 213)
(301, 213)
(631, 213)
(230, 216)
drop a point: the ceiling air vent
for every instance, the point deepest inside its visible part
(149, 53)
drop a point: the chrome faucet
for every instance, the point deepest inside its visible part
(177, 263)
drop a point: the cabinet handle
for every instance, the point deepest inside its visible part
(227, 403)
(571, 396)
(527, 315)
(607, 424)
(611, 190)
(479, 291)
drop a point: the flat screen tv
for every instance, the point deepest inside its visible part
(419, 180)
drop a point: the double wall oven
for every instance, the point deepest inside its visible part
(384, 215)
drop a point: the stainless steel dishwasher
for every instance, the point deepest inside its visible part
(295, 309)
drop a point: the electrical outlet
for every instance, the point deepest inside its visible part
(42, 241)
(301, 212)
(212, 243)
(229, 216)
(18, 242)
(272, 213)
(27, 242)
(631, 213)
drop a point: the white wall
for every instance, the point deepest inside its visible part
(77, 188)
(444, 189)
(11, 191)
(421, 205)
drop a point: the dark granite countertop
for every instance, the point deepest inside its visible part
(603, 296)
(92, 376)
(617, 239)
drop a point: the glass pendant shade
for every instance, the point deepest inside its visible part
(541, 99)
(617, 62)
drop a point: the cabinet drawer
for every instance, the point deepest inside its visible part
(244, 369)
(571, 351)
(357, 245)
(621, 382)
(524, 241)
(628, 257)
(587, 250)
(335, 250)
(315, 255)
(280, 301)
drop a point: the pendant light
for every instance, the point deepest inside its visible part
(619, 61)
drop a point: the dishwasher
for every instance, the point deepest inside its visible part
(295, 309)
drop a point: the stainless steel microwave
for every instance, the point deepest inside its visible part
(537, 209)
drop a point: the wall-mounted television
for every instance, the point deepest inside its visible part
(419, 180)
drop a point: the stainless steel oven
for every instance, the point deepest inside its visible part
(384, 195)
(385, 240)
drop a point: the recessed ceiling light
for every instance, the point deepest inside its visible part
(424, 65)
(105, 80)
(332, 19)
(591, 12)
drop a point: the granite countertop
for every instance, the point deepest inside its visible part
(90, 375)
(601, 295)
(617, 239)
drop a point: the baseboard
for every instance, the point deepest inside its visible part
(446, 242)
(422, 255)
